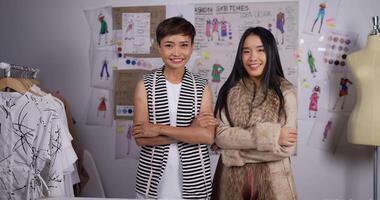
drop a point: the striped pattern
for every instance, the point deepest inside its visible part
(196, 171)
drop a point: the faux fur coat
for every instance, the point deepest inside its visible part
(253, 165)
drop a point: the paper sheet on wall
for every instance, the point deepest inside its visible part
(157, 14)
(342, 93)
(136, 33)
(338, 45)
(102, 64)
(313, 97)
(327, 131)
(100, 108)
(126, 146)
(311, 66)
(125, 84)
(100, 22)
(220, 26)
(321, 16)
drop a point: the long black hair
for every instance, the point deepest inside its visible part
(271, 79)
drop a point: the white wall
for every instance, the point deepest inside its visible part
(53, 35)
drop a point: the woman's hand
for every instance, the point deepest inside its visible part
(288, 136)
(145, 129)
(204, 120)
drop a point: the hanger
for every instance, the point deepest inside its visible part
(18, 78)
(19, 85)
(13, 84)
(28, 83)
(34, 81)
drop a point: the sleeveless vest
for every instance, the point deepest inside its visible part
(195, 159)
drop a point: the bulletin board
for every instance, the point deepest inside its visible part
(125, 84)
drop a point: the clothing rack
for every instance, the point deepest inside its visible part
(16, 77)
(17, 71)
(36, 136)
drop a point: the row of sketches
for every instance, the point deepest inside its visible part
(326, 91)
(102, 61)
(335, 94)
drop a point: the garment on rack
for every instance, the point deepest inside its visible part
(68, 156)
(71, 175)
(79, 177)
(35, 148)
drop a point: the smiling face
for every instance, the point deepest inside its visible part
(175, 50)
(254, 57)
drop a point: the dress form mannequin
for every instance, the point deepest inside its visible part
(364, 122)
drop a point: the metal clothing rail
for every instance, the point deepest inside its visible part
(17, 71)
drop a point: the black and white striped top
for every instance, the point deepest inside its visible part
(196, 172)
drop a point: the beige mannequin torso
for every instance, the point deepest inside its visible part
(364, 122)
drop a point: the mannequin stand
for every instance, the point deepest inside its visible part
(375, 173)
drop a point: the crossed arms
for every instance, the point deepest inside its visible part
(201, 130)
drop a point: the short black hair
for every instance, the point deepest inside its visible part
(174, 26)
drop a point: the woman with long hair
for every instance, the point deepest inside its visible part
(256, 111)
